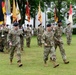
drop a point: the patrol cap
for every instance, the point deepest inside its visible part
(27, 25)
(15, 24)
(59, 21)
(7, 24)
(48, 25)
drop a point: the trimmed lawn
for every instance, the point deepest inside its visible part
(32, 59)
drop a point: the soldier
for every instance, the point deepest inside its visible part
(59, 42)
(6, 30)
(68, 32)
(40, 31)
(14, 42)
(37, 35)
(28, 33)
(48, 42)
(22, 38)
(1, 39)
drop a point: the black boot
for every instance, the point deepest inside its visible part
(1, 50)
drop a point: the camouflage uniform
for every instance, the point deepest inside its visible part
(6, 30)
(1, 41)
(14, 38)
(3, 38)
(22, 40)
(68, 32)
(28, 33)
(40, 31)
(48, 39)
(59, 42)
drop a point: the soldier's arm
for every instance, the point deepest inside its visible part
(44, 39)
(37, 30)
(21, 33)
(9, 36)
(55, 35)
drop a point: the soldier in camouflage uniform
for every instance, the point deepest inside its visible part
(14, 42)
(68, 32)
(28, 33)
(48, 42)
(22, 38)
(6, 30)
(1, 39)
(59, 42)
(40, 31)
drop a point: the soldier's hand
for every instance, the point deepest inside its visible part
(45, 44)
(10, 43)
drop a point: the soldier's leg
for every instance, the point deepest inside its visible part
(46, 53)
(11, 53)
(1, 47)
(55, 46)
(22, 44)
(27, 42)
(18, 49)
(62, 51)
(39, 40)
(68, 39)
(53, 56)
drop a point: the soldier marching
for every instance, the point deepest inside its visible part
(68, 32)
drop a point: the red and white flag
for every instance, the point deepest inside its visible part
(28, 11)
(70, 15)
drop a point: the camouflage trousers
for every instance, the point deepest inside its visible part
(39, 40)
(51, 51)
(28, 40)
(69, 38)
(62, 51)
(1, 45)
(22, 43)
(17, 50)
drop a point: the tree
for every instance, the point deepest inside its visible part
(34, 7)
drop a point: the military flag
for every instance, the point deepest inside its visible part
(28, 11)
(70, 15)
(14, 11)
(1, 13)
(8, 9)
(18, 12)
(4, 11)
(39, 14)
(55, 15)
(8, 12)
(3, 7)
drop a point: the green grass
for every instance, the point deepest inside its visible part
(32, 59)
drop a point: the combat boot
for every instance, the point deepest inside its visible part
(22, 49)
(19, 63)
(1, 50)
(55, 64)
(45, 64)
(66, 62)
(10, 61)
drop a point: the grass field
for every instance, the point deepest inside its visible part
(32, 59)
